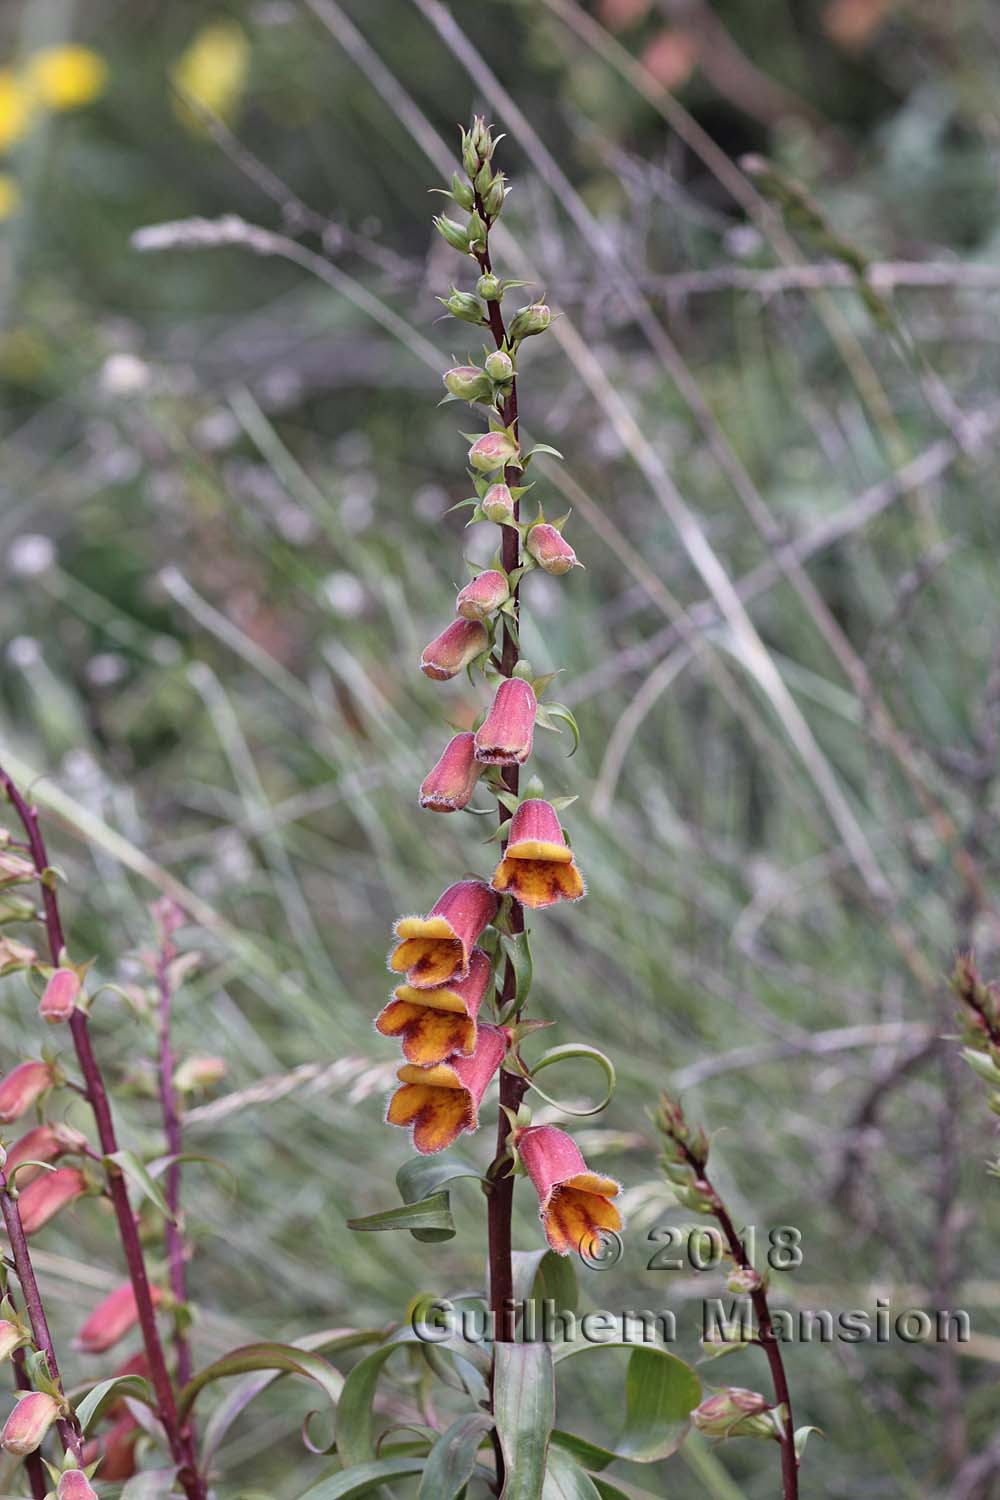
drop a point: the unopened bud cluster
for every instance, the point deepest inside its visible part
(685, 1157)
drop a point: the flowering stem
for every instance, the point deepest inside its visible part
(69, 1428)
(174, 1234)
(179, 1439)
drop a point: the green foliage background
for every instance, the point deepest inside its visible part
(217, 666)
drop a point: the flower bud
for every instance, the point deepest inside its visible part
(550, 550)
(477, 233)
(11, 1337)
(196, 1073)
(43, 1144)
(498, 505)
(52, 1191)
(112, 1319)
(734, 1412)
(59, 1000)
(529, 320)
(499, 366)
(23, 1087)
(494, 450)
(465, 306)
(504, 738)
(15, 955)
(462, 192)
(493, 199)
(455, 235)
(467, 382)
(449, 785)
(489, 287)
(25, 1428)
(453, 650)
(74, 1485)
(743, 1280)
(483, 595)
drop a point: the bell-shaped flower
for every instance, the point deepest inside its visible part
(485, 594)
(47, 1195)
(27, 1425)
(112, 1319)
(439, 1103)
(449, 785)
(436, 1024)
(437, 949)
(574, 1203)
(23, 1087)
(505, 735)
(454, 649)
(45, 1143)
(537, 868)
(59, 999)
(550, 549)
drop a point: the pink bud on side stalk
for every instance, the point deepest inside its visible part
(24, 1087)
(499, 366)
(453, 650)
(550, 551)
(11, 1337)
(494, 450)
(47, 1195)
(112, 1319)
(734, 1412)
(196, 1073)
(528, 320)
(485, 594)
(59, 1000)
(449, 785)
(27, 1425)
(498, 505)
(504, 738)
(74, 1485)
(467, 382)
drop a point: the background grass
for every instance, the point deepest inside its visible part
(225, 537)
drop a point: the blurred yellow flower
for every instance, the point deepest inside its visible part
(213, 70)
(66, 77)
(10, 195)
(15, 109)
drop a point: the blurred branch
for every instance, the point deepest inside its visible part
(820, 1044)
(882, 275)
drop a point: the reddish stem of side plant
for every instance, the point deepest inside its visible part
(69, 1429)
(179, 1439)
(174, 1235)
(765, 1327)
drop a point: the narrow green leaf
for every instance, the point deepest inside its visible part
(451, 1461)
(566, 1053)
(97, 1401)
(362, 1479)
(565, 1480)
(132, 1167)
(287, 1359)
(431, 1213)
(355, 1441)
(660, 1393)
(524, 1403)
(561, 712)
(420, 1177)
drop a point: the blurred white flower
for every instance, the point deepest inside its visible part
(23, 651)
(124, 375)
(345, 594)
(30, 555)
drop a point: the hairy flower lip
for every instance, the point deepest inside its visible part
(574, 1202)
(537, 868)
(435, 950)
(438, 1103)
(437, 1024)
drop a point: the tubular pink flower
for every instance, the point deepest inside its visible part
(504, 738)
(498, 505)
(449, 785)
(494, 450)
(59, 1000)
(52, 1191)
(436, 1024)
(11, 1337)
(74, 1485)
(43, 1144)
(537, 868)
(550, 549)
(451, 652)
(574, 1203)
(436, 949)
(27, 1425)
(486, 593)
(112, 1319)
(24, 1087)
(439, 1103)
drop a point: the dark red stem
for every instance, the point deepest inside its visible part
(174, 1234)
(69, 1428)
(180, 1440)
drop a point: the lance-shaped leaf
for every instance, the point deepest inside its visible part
(362, 1479)
(286, 1359)
(430, 1218)
(452, 1460)
(541, 1276)
(96, 1402)
(133, 1169)
(660, 1393)
(524, 1406)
